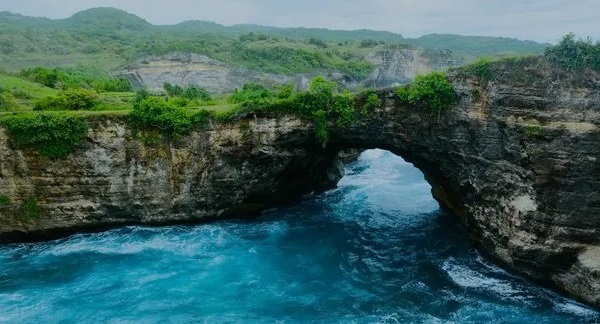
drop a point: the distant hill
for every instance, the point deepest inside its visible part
(111, 38)
(105, 18)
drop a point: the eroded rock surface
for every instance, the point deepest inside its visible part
(393, 66)
(517, 159)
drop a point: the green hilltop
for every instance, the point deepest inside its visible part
(109, 38)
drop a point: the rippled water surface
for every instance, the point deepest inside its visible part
(377, 249)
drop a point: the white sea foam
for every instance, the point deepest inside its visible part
(468, 278)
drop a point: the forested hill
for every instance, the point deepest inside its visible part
(111, 37)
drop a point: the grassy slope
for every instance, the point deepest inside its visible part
(111, 103)
(32, 89)
(110, 37)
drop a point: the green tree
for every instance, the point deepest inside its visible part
(252, 92)
(433, 91)
(173, 90)
(156, 113)
(575, 54)
(194, 92)
(70, 99)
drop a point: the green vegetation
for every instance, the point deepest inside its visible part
(533, 130)
(4, 200)
(20, 94)
(108, 38)
(321, 103)
(72, 99)
(31, 209)
(321, 126)
(7, 101)
(372, 100)
(90, 77)
(52, 134)
(575, 54)
(156, 113)
(432, 91)
(24, 89)
(481, 69)
(190, 93)
(252, 92)
(152, 113)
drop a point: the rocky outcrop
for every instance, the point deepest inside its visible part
(186, 69)
(227, 170)
(393, 66)
(516, 158)
(400, 66)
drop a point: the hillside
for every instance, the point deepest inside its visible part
(110, 38)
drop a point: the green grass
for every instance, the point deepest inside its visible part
(221, 108)
(110, 38)
(22, 60)
(34, 90)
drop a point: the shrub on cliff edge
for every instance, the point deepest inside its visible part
(575, 54)
(52, 134)
(433, 91)
(156, 113)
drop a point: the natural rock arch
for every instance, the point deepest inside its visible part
(516, 159)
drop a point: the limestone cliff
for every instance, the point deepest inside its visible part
(516, 158)
(227, 170)
(401, 66)
(392, 66)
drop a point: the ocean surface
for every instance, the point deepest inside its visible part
(375, 250)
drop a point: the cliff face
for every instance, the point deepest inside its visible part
(516, 159)
(401, 66)
(394, 66)
(114, 179)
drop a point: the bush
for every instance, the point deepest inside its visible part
(481, 69)
(370, 43)
(372, 100)
(179, 102)
(79, 99)
(575, 54)
(432, 91)
(321, 103)
(48, 77)
(200, 119)
(196, 93)
(251, 92)
(112, 85)
(285, 91)
(321, 127)
(342, 110)
(192, 92)
(155, 113)
(4, 200)
(173, 90)
(49, 103)
(81, 76)
(30, 208)
(53, 135)
(72, 99)
(317, 42)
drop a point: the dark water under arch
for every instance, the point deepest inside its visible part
(377, 249)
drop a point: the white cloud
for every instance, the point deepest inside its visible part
(540, 20)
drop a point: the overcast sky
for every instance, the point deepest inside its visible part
(539, 20)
